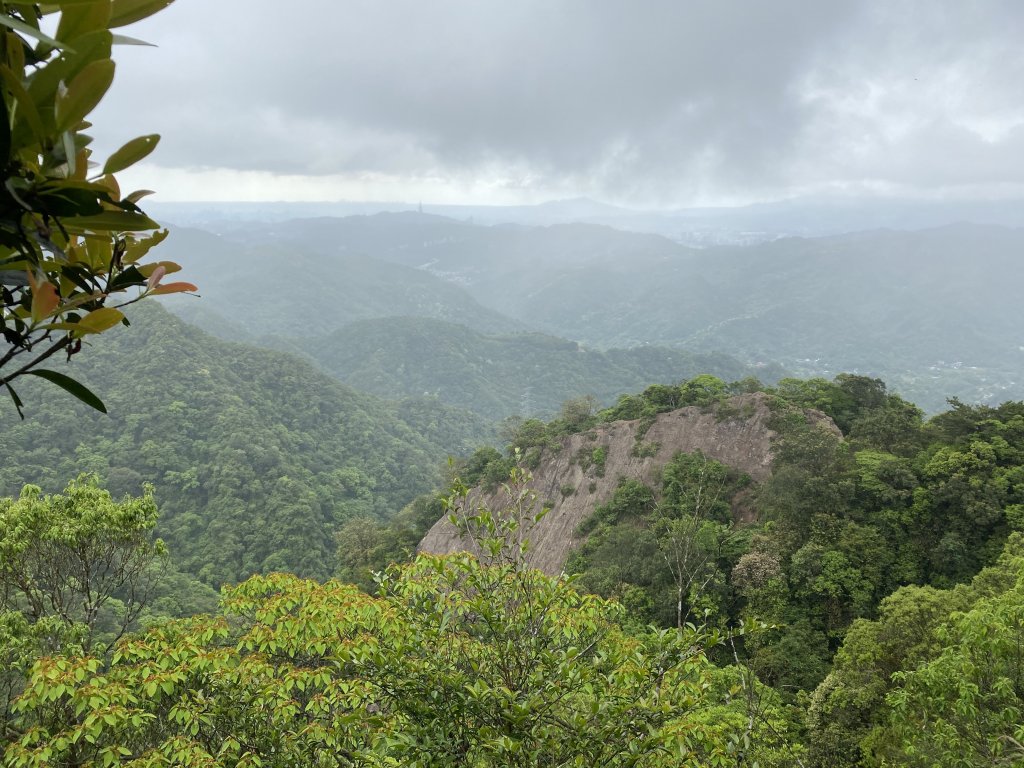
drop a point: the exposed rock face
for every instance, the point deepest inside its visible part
(735, 434)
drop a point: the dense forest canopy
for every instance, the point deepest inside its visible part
(859, 617)
(222, 561)
(255, 457)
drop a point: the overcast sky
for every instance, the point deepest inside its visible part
(645, 103)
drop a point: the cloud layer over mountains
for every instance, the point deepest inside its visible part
(655, 103)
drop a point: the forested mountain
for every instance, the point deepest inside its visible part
(300, 286)
(885, 551)
(928, 311)
(256, 457)
(562, 484)
(497, 376)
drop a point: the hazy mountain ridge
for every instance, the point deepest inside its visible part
(932, 312)
(817, 216)
(268, 286)
(496, 376)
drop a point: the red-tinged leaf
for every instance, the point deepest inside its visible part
(156, 277)
(169, 267)
(45, 300)
(100, 320)
(160, 290)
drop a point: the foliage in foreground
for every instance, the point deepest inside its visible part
(935, 680)
(77, 571)
(70, 252)
(456, 663)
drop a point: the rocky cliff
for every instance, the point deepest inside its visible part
(585, 469)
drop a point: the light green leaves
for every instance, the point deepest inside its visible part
(78, 19)
(131, 153)
(457, 658)
(83, 94)
(100, 320)
(126, 12)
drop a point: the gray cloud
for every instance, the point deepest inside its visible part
(648, 102)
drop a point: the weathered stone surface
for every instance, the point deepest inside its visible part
(736, 434)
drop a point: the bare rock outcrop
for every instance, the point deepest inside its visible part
(585, 471)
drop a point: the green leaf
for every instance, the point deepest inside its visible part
(129, 11)
(18, 405)
(5, 133)
(128, 278)
(26, 106)
(25, 29)
(70, 385)
(138, 194)
(111, 221)
(131, 153)
(68, 142)
(125, 40)
(100, 320)
(82, 18)
(67, 199)
(44, 84)
(84, 93)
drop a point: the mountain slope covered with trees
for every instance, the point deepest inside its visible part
(885, 553)
(528, 374)
(256, 457)
(932, 312)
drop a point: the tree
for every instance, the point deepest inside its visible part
(703, 390)
(845, 706)
(456, 663)
(71, 244)
(690, 524)
(75, 573)
(965, 707)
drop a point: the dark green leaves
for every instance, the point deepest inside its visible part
(71, 235)
(68, 384)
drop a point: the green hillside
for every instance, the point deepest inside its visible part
(496, 376)
(319, 286)
(256, 456)
(933, 312)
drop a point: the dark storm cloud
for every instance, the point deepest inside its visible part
(645, 101)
